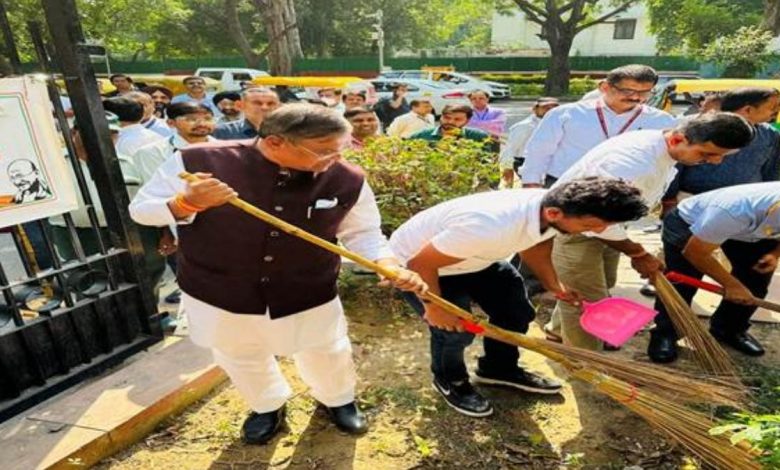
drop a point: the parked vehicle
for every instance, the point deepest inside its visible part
(439, 94)
(306, 87)
(461, 80)
(692, 89)
(230, 78)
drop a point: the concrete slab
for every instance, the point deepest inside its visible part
(109, 414)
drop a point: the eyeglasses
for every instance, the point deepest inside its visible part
(323, 156)
(631, 92)
(195, 120)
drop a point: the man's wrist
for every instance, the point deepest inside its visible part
(638, 254)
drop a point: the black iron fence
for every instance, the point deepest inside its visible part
(68, 310)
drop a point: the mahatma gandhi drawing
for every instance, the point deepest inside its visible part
(30, 186)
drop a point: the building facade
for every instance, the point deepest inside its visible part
(626, 34)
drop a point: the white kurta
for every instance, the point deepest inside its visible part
(245, 345)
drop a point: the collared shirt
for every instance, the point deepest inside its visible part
(746, 212)
(149, 157)
(205, 101)
(756, 163)
(410, 123)
(434, 135)
(569, 131)
(640, 158)
(159, 126)
(519, 134)
(235, 130)
(480, 229)
(360, 230)
(225, 119)
(133, 137)
(387, 114)
(490, 120)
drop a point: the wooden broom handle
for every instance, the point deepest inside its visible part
(473, 324)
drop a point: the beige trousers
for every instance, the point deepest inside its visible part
(588, 266)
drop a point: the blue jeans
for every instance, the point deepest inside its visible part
(500, 292)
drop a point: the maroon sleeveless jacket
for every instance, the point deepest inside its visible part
(231, 260)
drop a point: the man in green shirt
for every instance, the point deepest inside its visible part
(453, 126)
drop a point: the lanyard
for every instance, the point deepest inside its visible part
(603, 121)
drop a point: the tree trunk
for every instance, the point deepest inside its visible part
(284, 41)
(558, 74)
(236, 33)
(772, 16)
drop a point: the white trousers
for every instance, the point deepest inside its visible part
(245, 346)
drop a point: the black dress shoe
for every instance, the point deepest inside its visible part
(743, 342)
(349, 418)
(260, 428)
(662, 348)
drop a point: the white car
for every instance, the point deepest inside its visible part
(230, 78)
(461, 80)
(439, 94)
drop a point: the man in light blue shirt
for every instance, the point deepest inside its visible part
(742, 220)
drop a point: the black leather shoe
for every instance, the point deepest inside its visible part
(662, 348)
(260, 428)
(349, 418)
(743, 342)
(648, 290)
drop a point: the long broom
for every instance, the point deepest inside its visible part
(707, 352)
(681, 424)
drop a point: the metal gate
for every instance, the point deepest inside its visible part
(61, 321)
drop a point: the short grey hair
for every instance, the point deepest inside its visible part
(304, 121)
(139, 97)
(257, 89)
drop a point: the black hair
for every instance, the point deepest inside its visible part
(153, 88)
(726, 130)
(738, 98)
(396, 85)
(352, 112)
(361, 94)
(226, 95)
(418, 102)
(119, 75)
(126, 109)
(636, 72)
(186, 107)
(458, 108)
(191, 78)
(608, 199)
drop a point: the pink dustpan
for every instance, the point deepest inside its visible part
(615, 319)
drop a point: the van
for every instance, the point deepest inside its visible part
(230, 78)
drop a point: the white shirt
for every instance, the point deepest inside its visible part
(569, 131)
(359, 231)
(640, 158)
(480, 228)
(592, 95)
(133, 137)
(149, 157)
(519, 134)
(407, 124)
(159, 126)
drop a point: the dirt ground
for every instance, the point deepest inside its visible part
(410, 427)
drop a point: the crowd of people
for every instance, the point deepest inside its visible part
(574, 174)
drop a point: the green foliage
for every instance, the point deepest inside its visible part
(408, 176)
(761, 431)
(577, 86)
(743, 53)
(687, 26)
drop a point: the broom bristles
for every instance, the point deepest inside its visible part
(674, 384)
(683, 425)
(707, 352)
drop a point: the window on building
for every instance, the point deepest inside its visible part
(624, 29)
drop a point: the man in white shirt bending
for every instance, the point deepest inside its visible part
(647, 159)
(460, 248)
(570, 131)
(418, 119)
(132, 135)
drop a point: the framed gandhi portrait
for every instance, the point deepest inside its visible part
(34, 178)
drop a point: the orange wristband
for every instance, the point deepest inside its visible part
(182, 203)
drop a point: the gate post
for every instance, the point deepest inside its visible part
(78, 73)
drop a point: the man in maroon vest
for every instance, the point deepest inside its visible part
(253, 292)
